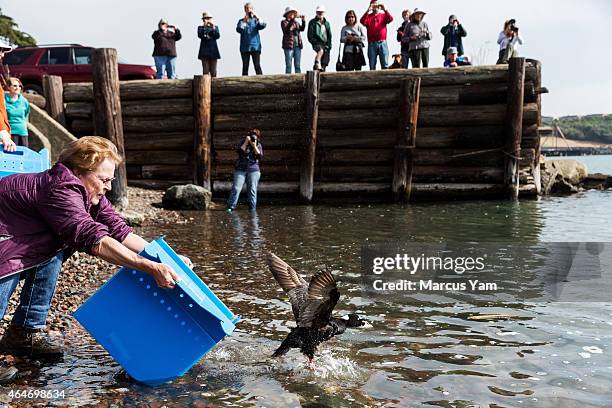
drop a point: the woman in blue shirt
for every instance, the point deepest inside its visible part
(18, 110)
(250, 42)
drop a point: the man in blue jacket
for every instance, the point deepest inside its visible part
(250, 43)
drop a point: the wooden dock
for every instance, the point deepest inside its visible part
(406, 134)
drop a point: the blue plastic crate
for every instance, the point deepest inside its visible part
(24, 160)
(156, 334)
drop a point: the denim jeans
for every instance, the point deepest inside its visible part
(405, 59)
(36, 294)
(294, 54)
(252, 179)
(378, 49)
(169, 63)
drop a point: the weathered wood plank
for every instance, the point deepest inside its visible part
(107, 116)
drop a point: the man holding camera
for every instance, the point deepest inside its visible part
(508, 41)
(208, 33)
(246, 168)
(453, 34)
(250, 42)
(320, 37)
(164, 52)
(375, 20)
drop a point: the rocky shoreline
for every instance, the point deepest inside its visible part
(565, 177)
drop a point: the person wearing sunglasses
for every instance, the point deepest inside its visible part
(17, 110)
(5, 128)
(46, 217)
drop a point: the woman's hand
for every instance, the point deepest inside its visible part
(164, 276)
(9, 145)
(187, 261)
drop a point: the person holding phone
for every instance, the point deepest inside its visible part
(164, 50)
(417, 36)
(292, 25)
(320, 37)
(375, 20)
(509, 40)
(353, 36)
(249, 27)
(453, 34)
(208, 33)
(246, 169)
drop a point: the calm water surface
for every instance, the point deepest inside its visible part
(415, 354)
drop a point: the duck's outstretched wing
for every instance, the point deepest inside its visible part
(322, 297)
(290, 281)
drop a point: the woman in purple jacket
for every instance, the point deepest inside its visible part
(44, 218)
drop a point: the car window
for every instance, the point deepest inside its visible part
(56, 56)
(17, 57)
(82, 56)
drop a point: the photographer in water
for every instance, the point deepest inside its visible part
(250, 151)
(509, 40)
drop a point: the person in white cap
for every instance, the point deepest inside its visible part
(320, 37)
(292, 24)
(417, 36)
(5, 129)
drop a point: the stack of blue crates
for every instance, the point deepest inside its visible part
(156, 334)
(24, 160)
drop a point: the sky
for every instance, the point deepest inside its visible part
(571, 38)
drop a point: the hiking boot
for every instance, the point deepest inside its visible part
(7, 374)
(19, 341)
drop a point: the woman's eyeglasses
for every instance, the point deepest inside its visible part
(108, 180)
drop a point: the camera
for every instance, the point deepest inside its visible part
(514, 29)
(253, 138)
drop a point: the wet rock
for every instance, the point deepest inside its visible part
(597, 181)
(187, 197)
(571, 170)
(562, 177)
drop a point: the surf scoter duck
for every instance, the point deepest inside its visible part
(312, 306)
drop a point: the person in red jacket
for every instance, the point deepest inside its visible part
(375, 20)
(5, 128)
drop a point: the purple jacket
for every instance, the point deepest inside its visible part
(44, 213)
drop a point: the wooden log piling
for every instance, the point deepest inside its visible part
(53, 91)
(406, 139)
(203, 139)
(107, 115)
(310, 140)
(514, 125)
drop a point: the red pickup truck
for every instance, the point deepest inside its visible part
(72, 62)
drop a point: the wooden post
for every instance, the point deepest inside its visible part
(410, 90)
(53, 91)
(310, 140)
(108, 122)
(514, 125)
(202, 86)
(537, 176)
